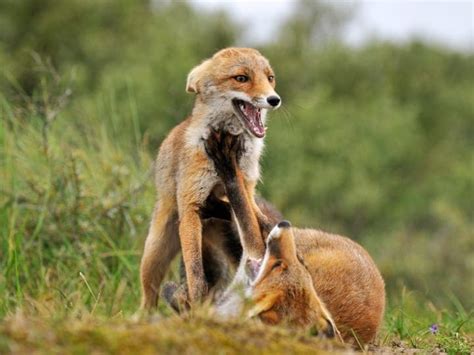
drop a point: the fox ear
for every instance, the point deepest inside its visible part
(194, 77)
(281, 243)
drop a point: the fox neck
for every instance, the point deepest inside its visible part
(207, 116)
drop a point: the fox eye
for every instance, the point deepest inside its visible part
(277, 264)
(241, 78)
(271, 78)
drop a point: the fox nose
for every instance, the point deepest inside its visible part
(273, 100)
(329, 331)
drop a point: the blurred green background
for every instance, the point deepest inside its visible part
(374, 142)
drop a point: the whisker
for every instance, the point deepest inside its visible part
(300, 107)
(287, 115)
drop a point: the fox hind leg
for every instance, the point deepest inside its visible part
(161, 246)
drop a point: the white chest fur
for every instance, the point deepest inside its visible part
(249, 162)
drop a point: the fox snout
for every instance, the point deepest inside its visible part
(324, 328)
(271, 101)
(329, 330)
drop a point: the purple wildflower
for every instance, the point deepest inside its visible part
(434, 328)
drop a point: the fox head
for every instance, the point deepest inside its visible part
(283, 290)
(238, 85)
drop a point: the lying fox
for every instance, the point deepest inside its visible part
(334, 281)
(308, 278)
(234, 89)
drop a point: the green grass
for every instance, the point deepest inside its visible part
(75, 198)
(409, 323)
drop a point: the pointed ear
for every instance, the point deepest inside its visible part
(195, 76)
(281, 243)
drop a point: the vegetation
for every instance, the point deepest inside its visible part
(372, 142)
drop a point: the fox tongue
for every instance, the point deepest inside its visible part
(254, 119)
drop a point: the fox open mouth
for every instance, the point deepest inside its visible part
(251, 115)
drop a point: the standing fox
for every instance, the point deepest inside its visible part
(308, 278)
(234, 89)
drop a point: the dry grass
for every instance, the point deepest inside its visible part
(172, 335)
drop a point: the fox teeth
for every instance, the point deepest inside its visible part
(241, 106)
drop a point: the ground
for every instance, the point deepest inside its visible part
(192, 334)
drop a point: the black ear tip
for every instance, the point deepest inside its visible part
(284, 224)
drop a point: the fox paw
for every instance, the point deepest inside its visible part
(176, 296)
(225, 150)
